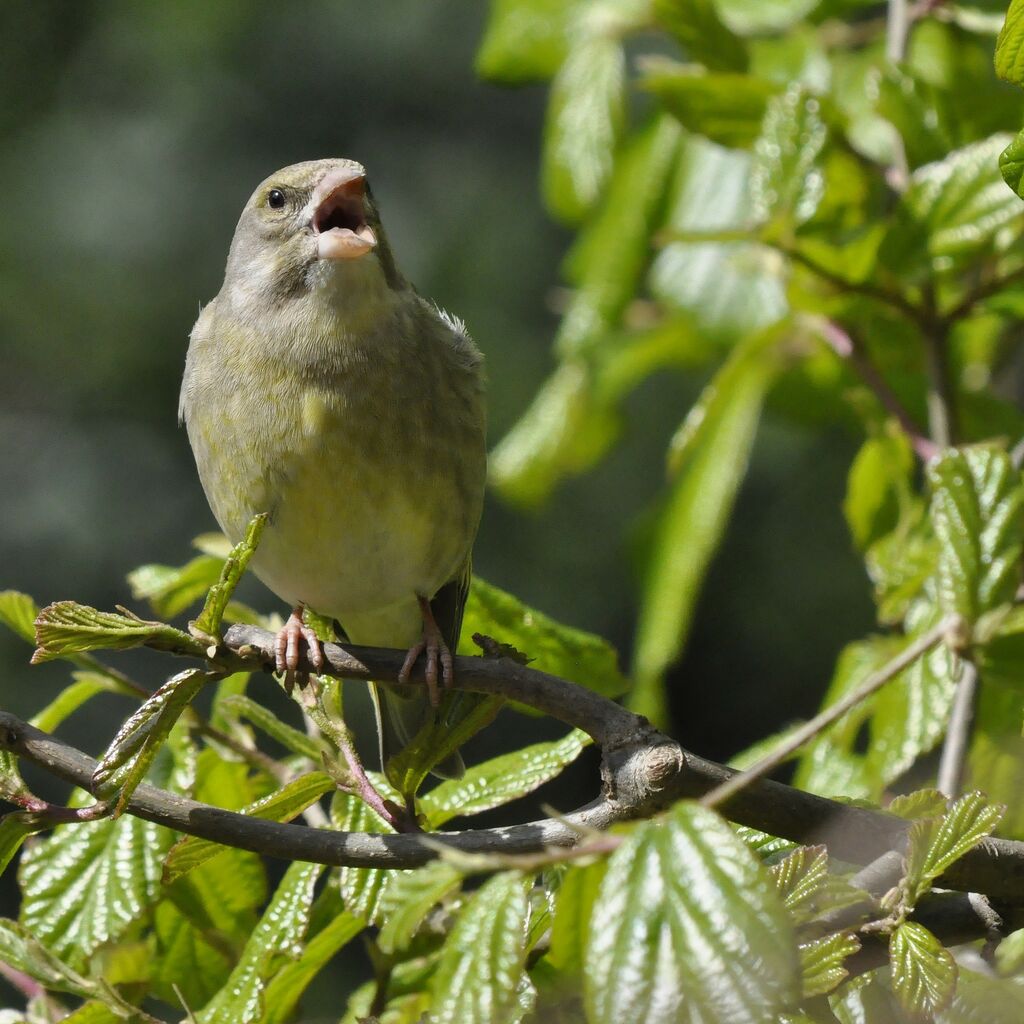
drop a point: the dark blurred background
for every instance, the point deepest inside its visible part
(132, 134)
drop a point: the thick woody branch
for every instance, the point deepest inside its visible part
(642, 772)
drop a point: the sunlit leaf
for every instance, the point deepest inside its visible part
(978, 515)
(586, 112)
(501, 779)
(470, 988)
(361, 888)
(69, 628)
(131, 752)
(88, 883)
(237, 706)
(15, 828)
(171, 589)
(279, 935)
(822, 962)
(934, 844)
(786, 180)
(20, 950)
(923, 972)
(18, 613)
(552, 647)
(409, 898)
(756, 17)
(86, 686)
(285, 988)
(878, 487)
(574, 908)
(1010, 45)
(688, 927)
(730, 288)
(952, 211)
(234, 567)
(525, 40)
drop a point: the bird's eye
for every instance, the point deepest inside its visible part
(275, 199)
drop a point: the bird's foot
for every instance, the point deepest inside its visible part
(439, 656)
(288, 650)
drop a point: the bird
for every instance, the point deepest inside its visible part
(322, 389)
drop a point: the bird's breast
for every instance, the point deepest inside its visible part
(372, 474)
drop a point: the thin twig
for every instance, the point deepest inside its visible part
(924, 643)
(850, 349)
(958, 735)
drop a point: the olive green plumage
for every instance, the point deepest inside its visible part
(329, 394)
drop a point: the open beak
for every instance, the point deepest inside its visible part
(339, 217)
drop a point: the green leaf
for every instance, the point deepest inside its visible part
(171, 589)
(725, 108)
(86, 686)
(786, 179)
(286, 986)
(831, 766)
(525, 40)
(899, 565)
(977, 512)
(501, 779)
(70, 628)
(409, 898)
(22, 951)
(482, 960)
(552, 647)
(807, 888)
(951, 213)
(612, 250)
(759, 17)
(361, 888)
(709, 456)
(86, 885)
(277, 937)
(1009, 954)
(911, 712)
(697, 27)
(934, 844)
(18, 613)
(922, 803)
(688, 927)
(923, 972)
(15, 828)
(730, 288)
(878, 487)
(237, 706)
(1011, 163)
(586, 114)
(822, 962)
(1010, 45)
(574, 907)
(131, 752)
(985, 1000)
(220, 593)
(283, 805)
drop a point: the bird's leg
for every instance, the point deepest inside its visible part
(287, 648)
(437, 651)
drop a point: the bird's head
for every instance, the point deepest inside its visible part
(309, 226)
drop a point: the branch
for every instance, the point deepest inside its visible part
(643, 772)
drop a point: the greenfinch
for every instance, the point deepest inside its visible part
(322, 389)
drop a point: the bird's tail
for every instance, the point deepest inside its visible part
(400, 718)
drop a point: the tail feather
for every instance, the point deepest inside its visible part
(400, 718)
